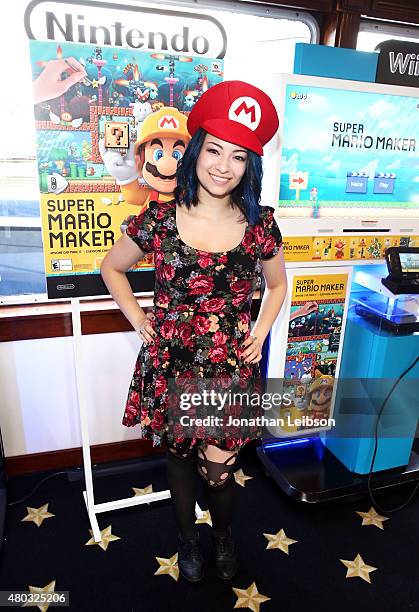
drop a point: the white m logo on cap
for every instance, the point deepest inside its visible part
(247, 111)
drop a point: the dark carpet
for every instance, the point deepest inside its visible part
(123, 577)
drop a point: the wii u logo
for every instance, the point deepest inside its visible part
(408, 63)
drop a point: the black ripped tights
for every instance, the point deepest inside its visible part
(219, 488)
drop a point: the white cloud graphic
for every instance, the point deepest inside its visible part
(395, 165)
(335, 166)
(384, 124)
(311, 138)
(335, 119)
(381, 110)
(290, 164)
(314, 103)
(371, 167)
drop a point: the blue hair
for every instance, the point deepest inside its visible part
(245, 196)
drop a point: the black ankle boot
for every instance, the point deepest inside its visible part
(225, 555)
(190, 559)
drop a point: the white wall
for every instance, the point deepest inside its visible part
(38, 405)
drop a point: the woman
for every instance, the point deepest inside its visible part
(210, 245)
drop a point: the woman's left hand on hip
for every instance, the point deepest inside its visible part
(253, 352)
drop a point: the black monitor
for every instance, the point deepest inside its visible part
(403, 262)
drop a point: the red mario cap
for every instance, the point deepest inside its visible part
(237, 112)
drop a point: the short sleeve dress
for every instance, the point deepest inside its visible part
(202, 308)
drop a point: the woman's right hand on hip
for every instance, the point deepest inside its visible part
(145, 328)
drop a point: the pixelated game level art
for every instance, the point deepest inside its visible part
(311, 358)
(320, 323)
(122, 87)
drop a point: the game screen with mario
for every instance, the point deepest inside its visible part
(349, 146)
(409, 262)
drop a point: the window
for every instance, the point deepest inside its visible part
(21, 257)
(372, 33)
(260, 41)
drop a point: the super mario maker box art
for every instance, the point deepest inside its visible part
(110, 129)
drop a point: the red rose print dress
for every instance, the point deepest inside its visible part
(202, 303)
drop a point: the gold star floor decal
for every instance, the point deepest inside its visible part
(37, 515)
(148, 489)
(241, 478)
(372, 518)
(106, 535)
(205, 518)
(279, 540)
(49, 588)
(168, 566)
(358, 569)
(249, 598)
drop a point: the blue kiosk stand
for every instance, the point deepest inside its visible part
(376, 414)
(380, 344)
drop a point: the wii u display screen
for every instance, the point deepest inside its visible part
(349, 149)
(409, 262)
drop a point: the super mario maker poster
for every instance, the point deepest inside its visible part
(315, 332)
(110, 129)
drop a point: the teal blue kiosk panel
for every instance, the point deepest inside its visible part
(372, 361)
(334, 62)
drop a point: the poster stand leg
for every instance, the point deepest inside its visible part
(89, 498)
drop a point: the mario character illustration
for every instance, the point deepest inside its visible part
(296, 410)
(161, 144)
(300, 400)
(320, 395)
(327, 248)
(314, 192)
(299, 408)
(362, 246)
(339, 246)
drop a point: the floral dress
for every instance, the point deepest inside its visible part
(202, 308)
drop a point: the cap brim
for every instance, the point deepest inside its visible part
(234, 132)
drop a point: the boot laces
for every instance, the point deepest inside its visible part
(191, 550)
(225, 544)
